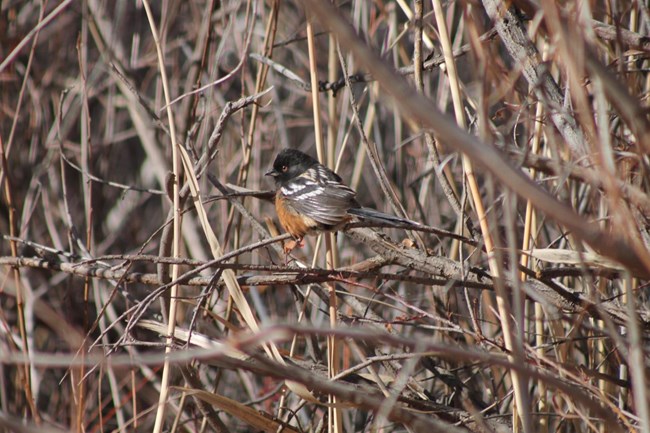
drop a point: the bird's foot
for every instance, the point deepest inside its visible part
(291, 245)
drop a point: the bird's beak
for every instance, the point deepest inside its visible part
(272, 172)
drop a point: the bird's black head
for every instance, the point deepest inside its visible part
(290, 163)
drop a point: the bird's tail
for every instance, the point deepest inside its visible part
(374, 215)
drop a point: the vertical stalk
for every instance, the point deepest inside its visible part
(173, 303)
(77, 375)
(335, 422)
(528, 242)
(512, 344)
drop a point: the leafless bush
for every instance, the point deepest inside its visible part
(134, 138)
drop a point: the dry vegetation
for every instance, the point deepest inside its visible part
(525, 309)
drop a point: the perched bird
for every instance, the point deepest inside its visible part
(311, 198)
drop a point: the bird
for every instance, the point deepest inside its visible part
(311, 198)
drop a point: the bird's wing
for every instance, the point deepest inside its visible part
(326, 200)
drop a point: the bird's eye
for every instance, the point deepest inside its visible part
(285, 168)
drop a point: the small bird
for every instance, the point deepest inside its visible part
(311, 198)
